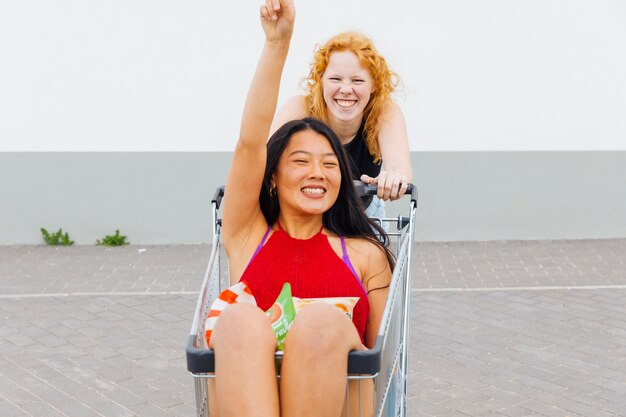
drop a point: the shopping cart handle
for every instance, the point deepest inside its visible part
(217, 196)
(363, 189)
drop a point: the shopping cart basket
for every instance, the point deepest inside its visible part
(385, 364)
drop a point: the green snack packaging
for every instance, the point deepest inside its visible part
(282, 314)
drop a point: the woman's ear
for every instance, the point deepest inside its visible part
(272, 189)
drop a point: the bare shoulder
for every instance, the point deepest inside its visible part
(392, 113)
(294, 108)
(368, 258)
(297, 104)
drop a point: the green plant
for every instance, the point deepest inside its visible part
(113, 240)
(56, 238)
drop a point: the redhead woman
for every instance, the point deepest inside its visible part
(349, 87)
(291, 214)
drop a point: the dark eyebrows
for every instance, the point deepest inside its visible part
(309, 153)
(298, 151)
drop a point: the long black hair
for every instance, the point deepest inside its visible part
(346, 217)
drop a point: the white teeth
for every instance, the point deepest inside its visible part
(346, 103)
(313, 191)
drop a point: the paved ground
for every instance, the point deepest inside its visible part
(498, 329)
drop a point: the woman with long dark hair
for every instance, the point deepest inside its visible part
(291, 214)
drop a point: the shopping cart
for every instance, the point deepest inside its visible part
(385, 364)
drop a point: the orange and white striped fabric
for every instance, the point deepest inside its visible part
(238, 293)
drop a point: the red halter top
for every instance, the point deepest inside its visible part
(312, 268)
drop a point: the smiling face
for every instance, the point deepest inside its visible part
(347, 86)
(308, 177)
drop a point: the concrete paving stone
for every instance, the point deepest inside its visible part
(61, 357)
(422, 406)
(20, 340)
(538, 373)
(150, 410)
(613, 405)
(182, 410)
(618, 385)
(610, 395)
(44, 372)
(415, 413)
(583, 388)
(542, 409)
(123, 396)
(30, 405)
(575, 374)
(543, 385)
(163, 400)
(111, 409)
(46, 393)
(60, 331)
(499, 394)
(431, 395)
(9, 410)
(91, 332)
(493, 414)
(590, 399)
(471, 409)
(77, 408)
(113, 374)
(565, 359)
(79, 341)
(584, 409)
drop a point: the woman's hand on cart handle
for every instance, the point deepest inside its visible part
(363, 188)
(390, 185)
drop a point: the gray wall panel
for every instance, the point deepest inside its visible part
(151, 197)
(157, 198)
(521, 195)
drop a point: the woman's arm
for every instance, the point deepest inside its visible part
(241, 213)
(394, 148)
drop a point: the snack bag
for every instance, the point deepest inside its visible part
(238, 293)
(282, 314)
(345, 304)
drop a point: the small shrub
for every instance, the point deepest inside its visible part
(56, 238)
(113, 240)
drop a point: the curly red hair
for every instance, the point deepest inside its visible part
(384, 82)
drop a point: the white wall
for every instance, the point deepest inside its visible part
(158, 75)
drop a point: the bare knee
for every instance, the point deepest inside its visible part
(324, 327)
(242, 326)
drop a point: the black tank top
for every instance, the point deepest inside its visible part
(361, 162)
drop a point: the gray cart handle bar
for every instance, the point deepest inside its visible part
(362, 189)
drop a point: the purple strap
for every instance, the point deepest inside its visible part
(346, 260)
(258, 248)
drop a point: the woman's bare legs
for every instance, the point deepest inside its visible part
(314, 369)
(244, 345)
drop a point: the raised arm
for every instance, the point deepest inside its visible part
(241, 213)
(394, 149)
